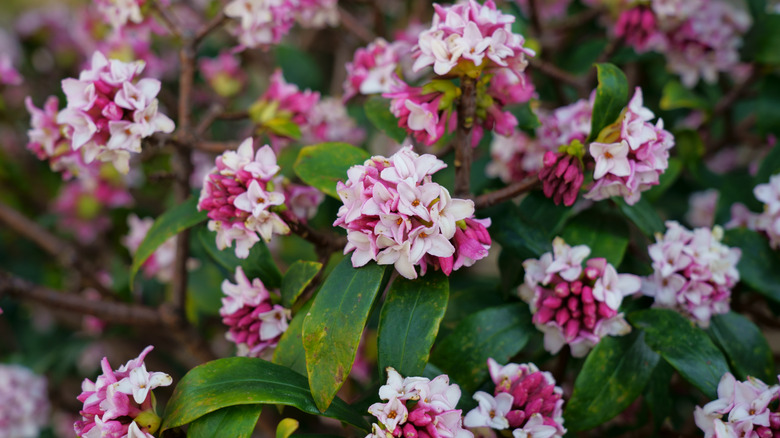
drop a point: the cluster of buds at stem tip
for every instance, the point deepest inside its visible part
(562, 174)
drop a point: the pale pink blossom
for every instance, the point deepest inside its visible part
(161, 263)
(741, 409)
(24, 401)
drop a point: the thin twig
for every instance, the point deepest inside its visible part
(209, 27)
(168, 20)
(211, 115)
(511, 191)
(352, 24)
(552, 70)
(215, 147)
(324, 243)
(61, 250)
(236, 115)
(467, 106)
(536, 23)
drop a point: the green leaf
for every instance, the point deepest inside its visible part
(613, 376)
(498, 332)
(643, 215)
(611, 98)
(246, 381)
(677, 96)
(770, 165)
(169, 224)
(378, 112)
(744, 344)
(541, 212)
(259, 264)
(606, 234)
(299, 67)
(517, 235)
(410, 320)
(689, 146)
(657, 394)
(283, 127)
(286, 427)
(234, 421)
(687, 348)
(763, 39)
(289, 351)
(666, 181)
(323, 165)
(758, 264)
(296, 279)
(334, 324)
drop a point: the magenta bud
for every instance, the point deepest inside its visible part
(561, 290)
(561, 316)
(552, 302)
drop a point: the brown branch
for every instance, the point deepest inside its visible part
(209, 27)
(237, 115)
(536, 24)
(511, 191)
(352, 24)
(561, 75)
(324, 243)
(467, 106)
(120, 313)
(211, 115)
(169, 22)
(215, 147)
(61, 250)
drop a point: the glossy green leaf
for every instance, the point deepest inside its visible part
(758, 264)
(611, 98)
(517, 234)
(323, 165)
(283, 127)
(744, 344)
(299, 67)
(286, 427)
(643, 215)
(542, 213)
(296, 279)
(657, 393)
(686, 347)
(289, 351)
(245, 381)
(763, 40)
(259, 264)
(334, 325)
(770, 165)
(606, 234)
(498, 332)
(234, 421)
(169, 224)
(409, 322)
(677, 96)
(613, 376)
(378, 112)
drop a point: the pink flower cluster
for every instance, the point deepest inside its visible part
(160, 263)
(699, 38)
(702, 206)
(373, 68)
(417, 407)
(119, 403)
(48, 142)
(396, 215)
(265, 22)
(768, 221)
(525, 400)
(81, 206)
(470, 36)
(240, 194)
(743, 409)
(518, 156)
(630, 154)
(119, 13)
(110, 110)
(8, 74)
(319, 120)
(254, 323)
(575, 305)
(24, 402)
(694, 272)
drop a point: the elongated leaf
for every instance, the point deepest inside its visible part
(758, 264)
(666, 181)
(245, 381)
(613, 376)
(286, 427)
(643, 215)
(234, 421)
(676, 96)
(744, 345)
(169, 224)
(259, 264)
(289, 351)
(378, 112)
(611, 98)
(605, 234)
(498, 332)
(334, 324)
(687, 348)
(657, 394)
(539, 211)
(770, 165)
(323, 165)
(410, 320)
(517, 235)
(295, 280)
